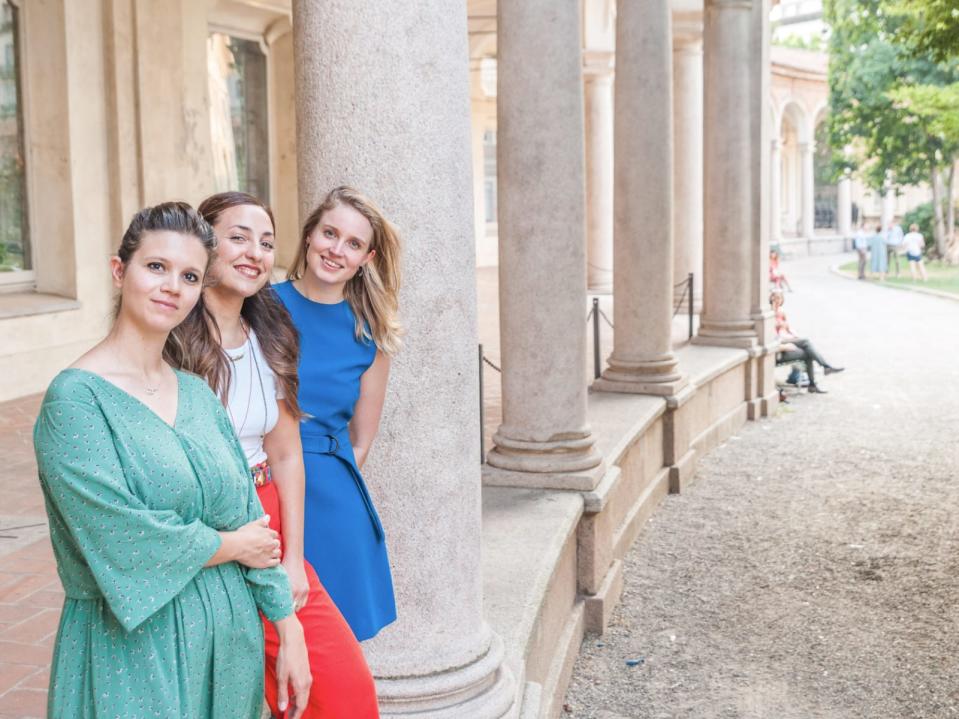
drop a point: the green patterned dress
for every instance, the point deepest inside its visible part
(134, 507)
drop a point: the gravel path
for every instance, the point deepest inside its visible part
(813, 568)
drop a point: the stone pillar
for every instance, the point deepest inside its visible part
(544, 440)
(888, 206)
(776, 191)
(807, 151)
(598, 77)
(728, 190)
(642, 360)
(405, 141)
(761, 389)
(688, 154)
(845, 207)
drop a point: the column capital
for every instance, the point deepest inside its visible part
(598, 63)
(687, 32)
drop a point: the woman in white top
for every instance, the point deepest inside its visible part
(914, 243)
(247, 350)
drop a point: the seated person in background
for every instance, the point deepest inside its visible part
(776, 277)
(913, 244)
(793, 347)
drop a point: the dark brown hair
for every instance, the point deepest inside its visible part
(374, 293)
(172, 217)
(196, 344)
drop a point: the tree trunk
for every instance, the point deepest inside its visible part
(952, 245)
(938, 225)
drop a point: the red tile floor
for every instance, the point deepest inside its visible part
(30, 593)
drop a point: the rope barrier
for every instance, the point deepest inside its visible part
(487, 361)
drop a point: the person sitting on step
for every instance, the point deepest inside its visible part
(792, 347)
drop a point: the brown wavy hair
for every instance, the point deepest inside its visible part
(374, 293)
(196, 344)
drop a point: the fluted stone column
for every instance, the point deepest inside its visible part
(807, 151)
(395, 123)
(544, 439)
(688, 154)
(728, 189)
(776, 192)
(598, 81)
(844, 207)
(642, 360)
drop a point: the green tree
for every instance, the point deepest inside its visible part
(875, 129)
(928, 27)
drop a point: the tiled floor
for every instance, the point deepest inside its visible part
(30, 593)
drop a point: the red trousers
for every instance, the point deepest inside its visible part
(342, 684)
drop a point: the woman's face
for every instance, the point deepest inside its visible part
(162, 281)
(245, 250)
(339, 245)
(777, 301)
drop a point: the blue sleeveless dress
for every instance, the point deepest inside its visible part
(343, 537)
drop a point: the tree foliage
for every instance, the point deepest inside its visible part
(873, 131)
(928, 27)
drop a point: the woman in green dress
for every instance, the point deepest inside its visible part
(160, 541)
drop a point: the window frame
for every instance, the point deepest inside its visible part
(260, 38)
(22, 280)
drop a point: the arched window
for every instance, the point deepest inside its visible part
(15, 260)
(239, 108)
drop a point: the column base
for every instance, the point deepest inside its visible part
(657, 377)
(741, 339)
(571, 463)
(483, 689)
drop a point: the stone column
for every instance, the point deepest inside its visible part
(642, 360)
(845, 207)
(776, 192)
(807, 151)
(728, 189)
(761, 386)
(399, 130)
(888, 210)
(598, 77)
(688, 154)
(544, 439)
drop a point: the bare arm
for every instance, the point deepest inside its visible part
(285, 455)
(369, 407)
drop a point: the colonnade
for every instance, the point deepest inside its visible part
(406, 140)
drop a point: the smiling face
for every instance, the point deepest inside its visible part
(245, 251)
(162, 280)
(339, 245)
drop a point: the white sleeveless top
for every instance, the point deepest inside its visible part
(252, 400)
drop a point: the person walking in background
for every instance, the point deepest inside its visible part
(878, 254)
(893, 243)
(913, 244)
(795, 348)
(247, 350)
(861, 244)
(342, 295)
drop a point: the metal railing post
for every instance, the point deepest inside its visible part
(596, 372)
(689, 299)
(482, 419)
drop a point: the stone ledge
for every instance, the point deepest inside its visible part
(25, 304)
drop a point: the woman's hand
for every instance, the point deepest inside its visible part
(298, 581)
(253, 545)
(292, 668)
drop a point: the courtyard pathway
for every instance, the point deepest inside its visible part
(813, 568)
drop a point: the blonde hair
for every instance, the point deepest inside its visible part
(373, 294)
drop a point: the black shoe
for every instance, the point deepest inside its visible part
(814, 389)
(833, 370)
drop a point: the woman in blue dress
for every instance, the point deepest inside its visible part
(342, 298)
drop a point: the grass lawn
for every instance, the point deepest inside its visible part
(942, 277)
